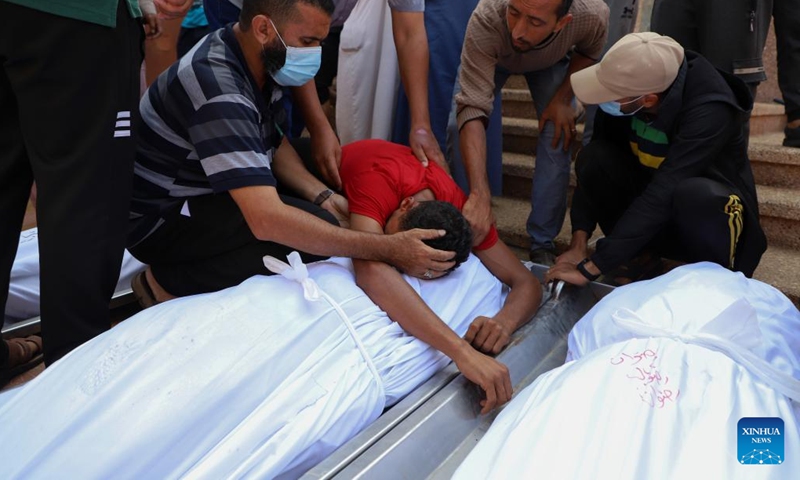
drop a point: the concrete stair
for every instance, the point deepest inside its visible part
(766, 118)
(776, 170)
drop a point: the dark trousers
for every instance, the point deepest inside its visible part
(721, 31)
(706, 217)
(69, 92)
(213, 248)
(787, 36)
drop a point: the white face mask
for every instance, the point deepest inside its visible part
(301, 65)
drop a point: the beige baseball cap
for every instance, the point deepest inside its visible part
(638, 64)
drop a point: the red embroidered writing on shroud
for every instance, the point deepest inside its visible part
(651, 383)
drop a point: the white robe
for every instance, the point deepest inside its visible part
(23, 291)
(366, 85)
(661, 373)
(253, 381)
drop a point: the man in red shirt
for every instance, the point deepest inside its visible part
(383, 182)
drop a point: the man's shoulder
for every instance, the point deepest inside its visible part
(487, 26)
(491, 9)
(211, 73)
(591, 11)
(215, 69)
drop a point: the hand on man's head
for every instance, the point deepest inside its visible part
(408, 253)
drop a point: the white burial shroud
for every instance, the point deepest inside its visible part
(659, 374)
(261, 380)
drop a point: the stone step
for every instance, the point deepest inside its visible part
(766, 117)
(516, 82)
(779, 265)
(512, 214)
(517, 103)
(773, 165)
(779, 207)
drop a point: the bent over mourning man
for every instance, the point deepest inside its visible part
(666, 172)
(390, 190)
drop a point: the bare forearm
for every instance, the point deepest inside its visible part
(580, 240)
(411, 42)
(288, 168)
(387, 288)
(473, 152)
(314, 235)
(526, 291)
(271, 220)
(520, 305)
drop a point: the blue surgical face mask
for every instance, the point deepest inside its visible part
(615, 108)
(301, 64)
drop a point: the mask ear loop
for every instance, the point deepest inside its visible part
(621, 104)
(636, 100)
(279, 35)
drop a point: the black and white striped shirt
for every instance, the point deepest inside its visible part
(206, 128)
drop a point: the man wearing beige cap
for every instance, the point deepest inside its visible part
(667, 170)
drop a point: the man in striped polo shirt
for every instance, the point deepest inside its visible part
(666, 171)
(217, 185)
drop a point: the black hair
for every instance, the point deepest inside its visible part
(278, 10)
(439, 215)
(563, 9)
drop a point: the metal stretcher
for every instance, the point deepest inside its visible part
(431, 431)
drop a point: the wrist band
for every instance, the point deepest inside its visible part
(323, 195)
(582, 268)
